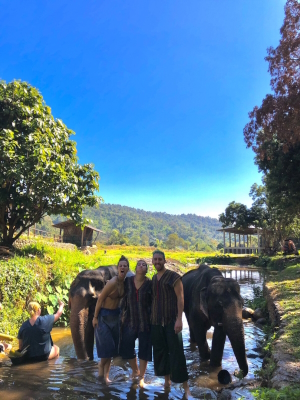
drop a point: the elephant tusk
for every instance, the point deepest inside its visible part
(92, 290)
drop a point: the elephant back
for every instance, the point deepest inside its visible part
(92, 280)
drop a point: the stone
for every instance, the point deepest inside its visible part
(247, 312)
(225, 395)
(203, 393)
(261, 321)
(257, 314)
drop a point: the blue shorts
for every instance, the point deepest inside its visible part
(127, 345)
(107, 333)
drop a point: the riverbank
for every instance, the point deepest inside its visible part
(40, 270)
(281, 368)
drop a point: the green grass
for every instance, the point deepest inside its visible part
(287, 393)
(286, 286)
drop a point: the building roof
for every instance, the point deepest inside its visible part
(68, 222)
(241, 231)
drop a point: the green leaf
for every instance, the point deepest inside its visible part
(50, 310)
(49, 288)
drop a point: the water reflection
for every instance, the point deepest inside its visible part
(68, 378)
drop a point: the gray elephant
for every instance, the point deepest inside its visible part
(83, 296)
(212, 300)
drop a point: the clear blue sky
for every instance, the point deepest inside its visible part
(158, 92)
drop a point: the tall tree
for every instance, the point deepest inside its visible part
(279, 115)
(39, 169)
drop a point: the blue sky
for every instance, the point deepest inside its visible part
(157, 92)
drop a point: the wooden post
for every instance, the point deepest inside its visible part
(235, 240)
(224, 240)
(82, 233)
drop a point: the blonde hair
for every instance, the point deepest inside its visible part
(33, 308)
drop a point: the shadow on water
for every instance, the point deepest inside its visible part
(67, 378)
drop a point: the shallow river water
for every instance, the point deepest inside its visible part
(67, 378)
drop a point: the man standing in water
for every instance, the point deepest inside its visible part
(166, 324)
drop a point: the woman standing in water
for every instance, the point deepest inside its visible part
(107, 317)
(136, 321)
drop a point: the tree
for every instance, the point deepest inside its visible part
(39, 169)
(117, 238)
(236, 214)
(172, 241)
(279, 115)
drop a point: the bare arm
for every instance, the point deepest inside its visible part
(109, 288)
(59, 311)
(178, 288)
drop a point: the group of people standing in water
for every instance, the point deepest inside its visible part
(147, 310)
(126, 310)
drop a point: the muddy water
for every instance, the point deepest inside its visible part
(67, 378)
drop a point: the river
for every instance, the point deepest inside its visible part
(67, 378)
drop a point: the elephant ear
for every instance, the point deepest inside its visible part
(203, 302)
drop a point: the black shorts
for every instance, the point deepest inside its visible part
(127, 345)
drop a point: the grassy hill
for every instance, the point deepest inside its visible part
(144, 227)
(133, 226)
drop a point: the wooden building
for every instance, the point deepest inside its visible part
(75, 235)
(239, 241)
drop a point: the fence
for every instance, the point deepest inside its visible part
(39, 232)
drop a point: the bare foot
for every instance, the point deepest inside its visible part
(107, 381)
(167, 384)
(135, 376)
(142, 382)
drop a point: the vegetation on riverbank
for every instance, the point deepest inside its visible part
(39, 271)
(283, 286)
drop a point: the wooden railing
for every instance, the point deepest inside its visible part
(40, 232)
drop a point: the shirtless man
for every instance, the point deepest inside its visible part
(107, 317)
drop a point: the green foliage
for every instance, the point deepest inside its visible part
(217, 259)
(20, 280)
(262, 261)
(139, 227)
(287, 393)
(258, 300)
(49, 300)
(39, 170)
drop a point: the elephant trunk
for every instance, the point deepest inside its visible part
(234, 329)
(78, 322)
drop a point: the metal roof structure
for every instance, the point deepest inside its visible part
(68, 222)
(241, 231)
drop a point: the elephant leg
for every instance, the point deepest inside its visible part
(89, 333)
(199, 335)
(78, 323)
(192, 336)
(217, 347)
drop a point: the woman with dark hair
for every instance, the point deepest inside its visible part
(136, 307)
(106, 320)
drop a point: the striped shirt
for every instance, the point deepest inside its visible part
(136, 305)
(164, 303)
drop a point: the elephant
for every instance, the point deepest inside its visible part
(212, 300)
(83, 295)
